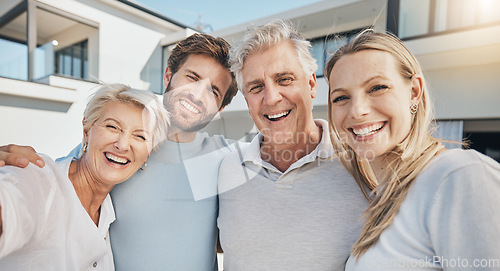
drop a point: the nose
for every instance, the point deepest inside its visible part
(272, 95)
(360, 107)
(122, 143)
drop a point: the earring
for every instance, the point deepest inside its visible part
(144, 166)
(85, 147)
(414, 109)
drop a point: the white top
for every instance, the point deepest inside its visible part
(45, 227)
(306, 218)
(448, 221)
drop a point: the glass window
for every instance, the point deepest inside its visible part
(323, 48)
(13, 60)
(72, 61)
(422, 17)
(54, 30)
(414, 17)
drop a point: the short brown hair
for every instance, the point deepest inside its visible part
(203, 44)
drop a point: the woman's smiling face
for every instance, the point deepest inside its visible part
(370, 102)
(119, 142)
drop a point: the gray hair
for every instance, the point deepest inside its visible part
(144, 99)
(266, 36)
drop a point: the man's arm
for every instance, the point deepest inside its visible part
(19, 156)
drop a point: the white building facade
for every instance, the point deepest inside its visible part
(457, 42)
(53, 53)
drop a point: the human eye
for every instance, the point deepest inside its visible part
(379, 88)
(214, 91)
(340, 99)
(255, 88)
(141, 137)
(192, 77)
(112, 126)
(284, 81)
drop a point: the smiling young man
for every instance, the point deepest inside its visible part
(166, 214)
(285, 202)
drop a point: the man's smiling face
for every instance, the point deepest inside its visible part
(278, 92)
(195, 92)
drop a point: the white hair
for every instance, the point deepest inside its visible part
(122, 93)
(266, 36)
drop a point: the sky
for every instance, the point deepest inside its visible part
(219, 14)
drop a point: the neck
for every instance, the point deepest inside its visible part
(380, 164)
(283, 153)
(176, 135)
(89, 190)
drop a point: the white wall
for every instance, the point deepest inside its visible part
(49, 120)
(124, 49)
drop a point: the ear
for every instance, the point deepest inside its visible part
(313, 85)
(166, 77)
(85, 132)
(417, 88)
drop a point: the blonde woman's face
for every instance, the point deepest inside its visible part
(370, 102)
(119, 142)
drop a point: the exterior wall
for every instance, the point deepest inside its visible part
(462, 67)
(125, 48)
(45, 117)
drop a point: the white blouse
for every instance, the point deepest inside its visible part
(45, 227)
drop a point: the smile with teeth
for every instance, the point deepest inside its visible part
(189, 107)
(115, 159)
(369, 130)
(278, 116)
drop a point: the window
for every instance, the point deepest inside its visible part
(423, 17)
(323, 48)
(35, 55)
(73, 61)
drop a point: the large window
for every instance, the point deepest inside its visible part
(424, 17)
(73, 61)
(38, 40)
(323, 48)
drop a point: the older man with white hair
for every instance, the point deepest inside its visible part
(285, 201)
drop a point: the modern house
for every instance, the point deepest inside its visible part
(457, 42)
(54, 52)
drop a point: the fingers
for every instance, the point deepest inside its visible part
(19, 156)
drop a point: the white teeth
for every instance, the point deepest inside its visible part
(189, 107)
(116, 158)
(278, 115)
(368, 130)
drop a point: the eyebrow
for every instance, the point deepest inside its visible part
(254, 82)
(283, 73)
(364, 83)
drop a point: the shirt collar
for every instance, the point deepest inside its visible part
(323, 150)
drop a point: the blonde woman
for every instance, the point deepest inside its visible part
(431, 208)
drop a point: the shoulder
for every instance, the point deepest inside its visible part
(460, 175)
(456, 160)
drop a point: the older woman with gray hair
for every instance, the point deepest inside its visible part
(57, 217)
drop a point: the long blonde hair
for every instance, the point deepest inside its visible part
(412, 154)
